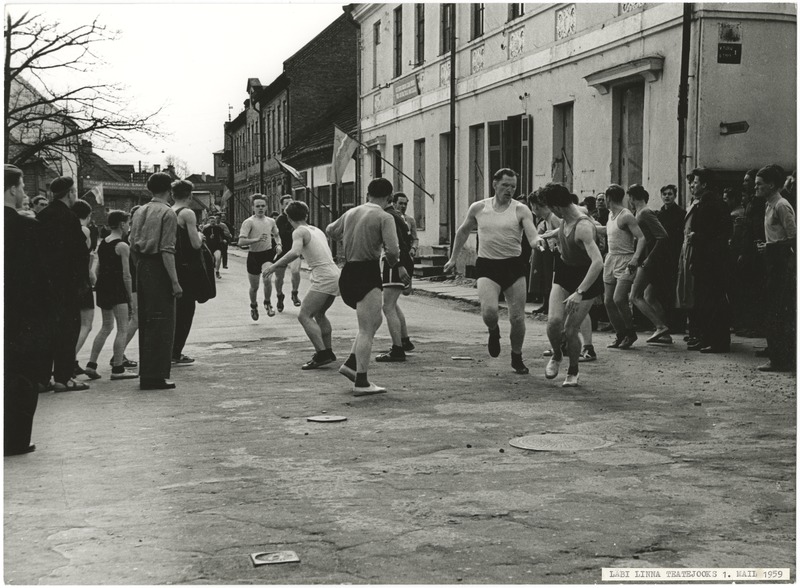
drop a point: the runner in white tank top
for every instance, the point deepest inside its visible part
(312, 244)
(500, 222)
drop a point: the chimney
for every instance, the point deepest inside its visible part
(156, 168)
(140, 166)
(203, 175)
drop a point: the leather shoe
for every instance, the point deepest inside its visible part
(156, 385)
(770, 367)
(762, 352)
(696, 346)
(30, 448)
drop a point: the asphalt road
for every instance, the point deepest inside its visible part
(419, 485)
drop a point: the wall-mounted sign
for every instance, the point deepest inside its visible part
(733, 128)
(729, 53)
(406, 88)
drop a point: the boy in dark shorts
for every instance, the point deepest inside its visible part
(258, 232)
(366, 231)
(577, 279)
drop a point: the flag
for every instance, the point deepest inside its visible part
(98, 193)
(226, 194)
(343, 148)
(288, 168)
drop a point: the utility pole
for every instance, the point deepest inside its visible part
(451, 204)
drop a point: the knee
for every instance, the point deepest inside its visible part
(389, 308)
(637, 296)
(621, 300)
(517, 320)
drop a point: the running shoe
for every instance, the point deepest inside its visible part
(125, 375)
(319, 359)
(408, 345)
(659, 334)
(219, 275)
(279, 306)
(368, 390)
(518, 366)
(254, 312)
(391, 356)
(295, 299)
(587, 354)
(91, 373)
(571, 381)
(617, 342)
(268, 308)
(628, 340)
(494, 343)
(552, 367)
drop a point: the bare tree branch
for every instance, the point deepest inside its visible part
(43, 121)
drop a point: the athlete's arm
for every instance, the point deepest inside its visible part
(276, 236)
(462, 234)
(630, 223)
(390, 241)
(335, 229)
(585, 235)
(244, 233)
(300, 238)
(525, 217)
(191, 227)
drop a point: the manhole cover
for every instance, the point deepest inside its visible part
(327, 418)
(275, 557)
(557, 442)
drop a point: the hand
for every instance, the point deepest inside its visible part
(572, 303)
(264, 237)
(449, 266)
(269, 271)
(549, 234)
(689, 237)
(404, 277)
(177, 291)
(132, 310)
(632, 266)
(761, 246)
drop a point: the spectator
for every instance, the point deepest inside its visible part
(789, 191)
(28, 318)
(84, 212)
(68, 265)
(749, 265)
(601, 210)
(215, 237)
(733, 200)
(711, 229)
(38, 203)
(545, 254)
(779, 255)
(227, 241)
(152, 238)
(187, 245)
(672, 217)
(25, 208)
(114, 297)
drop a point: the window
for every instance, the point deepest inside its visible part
(515, 10)
(398, 164)
(477, 150)
(279, 128)
(562, 144)
(377, 164)
(477, 20)
(419, 179)
(419, 45)
(398, 41)
(628, 132)
(376, 40)
(448, 12)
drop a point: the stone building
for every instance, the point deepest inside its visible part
(582, 93)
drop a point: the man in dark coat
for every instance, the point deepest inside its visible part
(749, 263)
(68, 266)
(711, 230)
(28, 319)
(672, 217)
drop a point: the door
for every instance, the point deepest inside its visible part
(562, 166)
(629, 102)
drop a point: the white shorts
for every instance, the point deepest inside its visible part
(325, 279)
(615, 268)
(294, 266)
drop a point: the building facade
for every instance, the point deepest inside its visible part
(585, 94)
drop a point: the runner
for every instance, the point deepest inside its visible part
(366, 230)
(285, 230)
(397, 280)
(215, 239)
(501, 222)
(258, 232)
(577, 280)
(620, 265)
(311, 243)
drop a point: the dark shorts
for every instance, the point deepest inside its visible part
(570, 277)
(391, 275)
(87, 300)
(358, 279)
(503, 272)
(257, 259)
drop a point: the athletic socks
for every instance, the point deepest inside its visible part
(407, 344)
(494, 342)
(572, 370)
(351, 362)
(361, 380)
(516, 363)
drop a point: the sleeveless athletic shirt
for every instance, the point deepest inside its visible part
(620, 241)
(499, 233)
(253, 228)
(572, 251)
(316, 251)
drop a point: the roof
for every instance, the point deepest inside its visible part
(98, 168)
(321, 38)
(320, 137)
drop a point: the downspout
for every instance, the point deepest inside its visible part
(451, 205)
(261, 151)
(683, 98)
(357, 190)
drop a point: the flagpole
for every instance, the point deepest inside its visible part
(309, 190)
(402, 173)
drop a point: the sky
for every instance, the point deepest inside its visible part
(191, 60)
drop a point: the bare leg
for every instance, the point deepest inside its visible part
(572, 326)
(133, 325)
(622, 302)
(391, 311)
(369, 316)
(253, 289)
(515, 296)
(102, 335)
(295, 267)
(217, 259)
(87, 317)
(121, 317)
(279, 274)
(555, 319)
(489, 295)
(613, 311)
(267, 283)
(314, 305)
(586, 329)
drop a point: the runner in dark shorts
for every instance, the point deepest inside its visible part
(503, 272)
(365, 231)
(257, 259)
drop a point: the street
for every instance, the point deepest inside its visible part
(419, 485)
